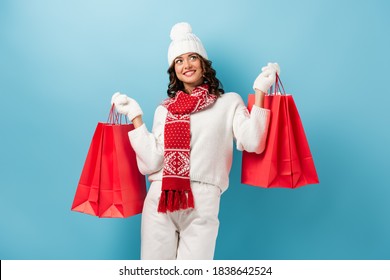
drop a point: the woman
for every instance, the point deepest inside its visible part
(188, 154)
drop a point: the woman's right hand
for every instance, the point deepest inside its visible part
(126, 106)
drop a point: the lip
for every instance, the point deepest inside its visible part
(189, 73)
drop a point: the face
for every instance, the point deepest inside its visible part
(188, 68)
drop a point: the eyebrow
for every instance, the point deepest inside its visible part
(189, 54)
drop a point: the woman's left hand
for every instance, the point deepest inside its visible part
(264, 81)
(267, 77)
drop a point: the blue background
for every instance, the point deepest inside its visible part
(60, 62)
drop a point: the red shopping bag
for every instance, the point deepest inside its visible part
(110, 184)
(286, 161)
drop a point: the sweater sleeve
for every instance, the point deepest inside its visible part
(149, 146)
(251, 129)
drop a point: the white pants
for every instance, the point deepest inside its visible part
(184, 234)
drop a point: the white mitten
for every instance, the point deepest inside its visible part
(126, 105)
(272, 66)
(267, 77)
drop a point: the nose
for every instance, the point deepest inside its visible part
(187, 64)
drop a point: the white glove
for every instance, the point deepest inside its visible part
(126, 105)
(267, 77)
(272, 66)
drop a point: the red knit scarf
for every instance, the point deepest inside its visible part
(176, 191)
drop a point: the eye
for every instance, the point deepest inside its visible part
(193, 57)
(178, 61)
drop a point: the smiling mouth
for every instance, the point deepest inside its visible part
(189, 73)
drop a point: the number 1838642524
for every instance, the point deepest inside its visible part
(248, 270)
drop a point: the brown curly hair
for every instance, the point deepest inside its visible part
(209, 76)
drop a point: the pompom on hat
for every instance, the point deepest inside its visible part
(184, 41)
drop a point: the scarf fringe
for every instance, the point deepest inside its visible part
(173, 200)
(162, 205)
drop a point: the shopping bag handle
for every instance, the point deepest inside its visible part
(115, 117)
(278, 86)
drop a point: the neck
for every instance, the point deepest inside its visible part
(188, 88)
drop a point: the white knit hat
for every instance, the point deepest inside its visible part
(184, 41)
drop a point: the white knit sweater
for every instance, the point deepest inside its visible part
(212, 132)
